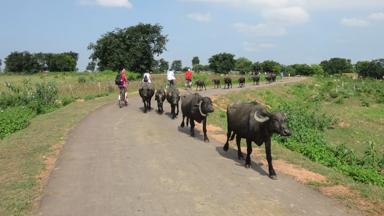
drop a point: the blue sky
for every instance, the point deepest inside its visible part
(288, 31)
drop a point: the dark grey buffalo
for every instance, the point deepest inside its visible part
(271, 77)
(216, 83)
(173, 98)
(252, 122)
(196, 108)
(227, 82)
(200, 84)
(256, 79)
(160, 98)
(241, 82)
(146, 92)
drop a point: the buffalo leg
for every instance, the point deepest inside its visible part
(226, 145)
(239, 153)
(145, 106)
(182, 122)
(192, 122)
(177, 106)
(272, 173)
(205, 130)
(249, 152)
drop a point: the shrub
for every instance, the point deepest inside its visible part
(82, 79)
(14, 119)
(67, 100)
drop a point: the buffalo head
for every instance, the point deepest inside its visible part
(205, 106)
(277, 121)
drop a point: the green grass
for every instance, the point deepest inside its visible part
(22, 153)
(343, 143)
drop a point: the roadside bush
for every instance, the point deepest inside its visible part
(67, 100)
(14, 119)
(82, 80)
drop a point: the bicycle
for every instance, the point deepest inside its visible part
(122, 101)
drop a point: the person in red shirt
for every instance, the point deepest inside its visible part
(188, 78)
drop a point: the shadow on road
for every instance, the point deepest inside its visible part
(232, 154)
(187, 130)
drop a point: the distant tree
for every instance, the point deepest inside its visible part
(133, 47)
(222, 62)
(290, 70)
(362, 68)
(1, 63)
(337, 66)
(91, 66)
(177, 65)
(243, 65)
(303, 69)
(270, 66)
(163, 65)
(257, 67)
(375, 69)
(317, 69)
(195, 61)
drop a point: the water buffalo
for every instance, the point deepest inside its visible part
(241, 82)
(160, 98)
(256, 79)
(227, 82)
(252, 122)
(196, 108)
(173, 98)
(146, 92)
(271, 77)
(216, 83)
(200, 84)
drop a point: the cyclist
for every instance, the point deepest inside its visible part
(121, 82)
(188, 78)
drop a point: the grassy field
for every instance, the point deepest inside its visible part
(338, 130)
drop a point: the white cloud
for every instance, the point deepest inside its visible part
(376, 16)
(200, 17)
(108, 3)
(262, 29)
(289, 15)
(256, 47)
(354, 22)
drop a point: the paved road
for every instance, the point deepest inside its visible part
(124, 162)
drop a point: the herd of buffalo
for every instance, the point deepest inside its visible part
(250, 121)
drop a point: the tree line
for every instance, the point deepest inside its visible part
(27, 62)
(137, 47)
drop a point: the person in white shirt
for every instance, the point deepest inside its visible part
(147, 76)
(171, 77)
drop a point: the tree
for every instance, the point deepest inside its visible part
(243, 65)
(222, 62)
(270, 66)
(337, 66)
(376, 69)
(257, 67)
(163, 65)
(1, 62)
(362, 68)
(317, 69)
(195, 61)
(91, 66)
(133, 47)
(177, 65)
(303, 69)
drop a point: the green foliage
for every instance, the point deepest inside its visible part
(177, 65)
(243, 65)
(201, 76)
(163, 65)
(67, 100)
(270, 66)
(14, 119)
(133, 47)
(257, 67)
(317, 69)
(82, 79)
(133, 76)
(303, 69)
(337, 66)
(195, 61)
(307, 138)
(375, 69)
(222, 62)
(32, 63)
